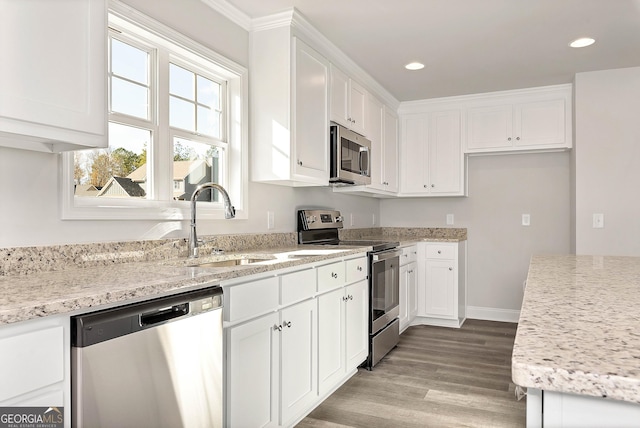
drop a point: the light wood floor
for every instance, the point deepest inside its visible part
(436, 377)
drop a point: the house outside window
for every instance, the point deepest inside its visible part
(177, 119)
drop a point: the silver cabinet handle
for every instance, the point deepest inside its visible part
(518, 138)
(300, 162)
(277, 327)
(345, 298)
(350, 297)
(439, 252)
(359, 268)
(286, 324)
(433, 185)
(450, 268)
(334, 275)
(509, 139)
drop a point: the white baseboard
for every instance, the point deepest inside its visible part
(492, 314)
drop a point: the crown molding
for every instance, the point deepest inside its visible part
(230, 12)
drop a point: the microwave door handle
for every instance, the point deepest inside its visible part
(363, 150)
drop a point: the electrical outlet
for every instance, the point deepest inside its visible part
(598, 221)
(351, 219)
(526, 219)
(373, 219)
(271, 222)
(449, 219)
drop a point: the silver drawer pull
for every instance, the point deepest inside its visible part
(359, 268)
(334, 275)
(277, 327)
(439, 252)
(286, 324)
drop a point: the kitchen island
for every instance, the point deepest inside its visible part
(577, 348)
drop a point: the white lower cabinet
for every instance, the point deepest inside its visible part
(408, 286)
(442, 284)
(283, 361)
(35, 364)
(342, 333)
(564, 410)
(252, 371)
(272, 364)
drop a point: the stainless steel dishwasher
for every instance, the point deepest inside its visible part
(152, 364)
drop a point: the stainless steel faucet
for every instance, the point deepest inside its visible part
(229, 212)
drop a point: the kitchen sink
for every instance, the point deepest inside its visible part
(228, 262)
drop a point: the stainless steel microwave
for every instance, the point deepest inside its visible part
(350, 157)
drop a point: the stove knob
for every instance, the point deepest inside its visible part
(339, 219)
(311, 219)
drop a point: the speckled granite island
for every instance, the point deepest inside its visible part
(577, 348)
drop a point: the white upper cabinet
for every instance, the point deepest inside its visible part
(520, 121)
(348, 102)
(53, 74)
(390, 152)
(289, 110)
(432, 159)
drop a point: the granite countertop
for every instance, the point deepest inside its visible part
(41, 294)
(579, 328)
(68, 279)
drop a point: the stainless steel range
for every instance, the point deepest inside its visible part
(320, 227)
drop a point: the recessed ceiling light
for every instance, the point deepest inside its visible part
(582, 42)
(414, 66)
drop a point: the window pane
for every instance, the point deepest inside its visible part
(129, 98)
(207, 122)
(129, 62)
(208, 93)
(194, 164)
(182, 114)
(181, 82)
(117, 172)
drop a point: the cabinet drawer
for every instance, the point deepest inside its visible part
(409, 254)
(252, 298)
(441, 251)
(297, 286)
(30, 361)
(331, 276)
(357, 269)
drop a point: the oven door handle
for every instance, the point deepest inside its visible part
(384, 255)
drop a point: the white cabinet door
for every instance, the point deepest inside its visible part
(408, 294)
(339, 90)
(540, 124)
(253, 367)
(412, 290)
(358, 96)
(432, 157)
(356, 324)
(404, 298)
(445, 160)
(489, 128)
(310, 105)
(415, 154)
(440, 296)
(390, 158)
(349, 102)
(53, 74)
(298, 358)
(331, 341)
(374, 125)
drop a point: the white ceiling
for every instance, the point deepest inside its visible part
(471, 46)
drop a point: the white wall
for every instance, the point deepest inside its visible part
(606, 157)
(501, 189)
(30, 210)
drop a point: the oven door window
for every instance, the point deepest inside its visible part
(385, 287)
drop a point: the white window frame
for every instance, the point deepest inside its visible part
(162, 207)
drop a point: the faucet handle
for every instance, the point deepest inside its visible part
(217, 251)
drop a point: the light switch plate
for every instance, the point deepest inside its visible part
(271, 221)
(526, 219)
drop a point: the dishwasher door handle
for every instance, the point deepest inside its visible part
(164, 314)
